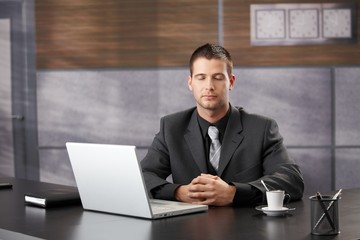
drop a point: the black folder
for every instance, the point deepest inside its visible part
(53, 197)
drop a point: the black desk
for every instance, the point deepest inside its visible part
(218, 223)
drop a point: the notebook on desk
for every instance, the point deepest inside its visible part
(109, 179)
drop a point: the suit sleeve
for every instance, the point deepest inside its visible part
(279, 171)
(156, 168)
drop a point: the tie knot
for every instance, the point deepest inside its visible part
(213, 133)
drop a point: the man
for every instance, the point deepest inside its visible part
(250, 146)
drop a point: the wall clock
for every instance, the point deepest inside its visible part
(337, 23)
(304, 23)
(270, 24)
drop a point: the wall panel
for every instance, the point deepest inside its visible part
(236, 38)
(118, 107)
(127, 33)
(347, 167)
(299, 99)
(141, 33)
(316, 167)
(125, 106)
(6, 127)
(347, 106)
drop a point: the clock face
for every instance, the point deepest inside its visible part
(337, 23)
(304, 23)
(308, 23)
(270, 24)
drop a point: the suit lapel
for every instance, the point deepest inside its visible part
(194, 140)
(232, 139)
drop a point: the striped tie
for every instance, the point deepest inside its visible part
(215, 147)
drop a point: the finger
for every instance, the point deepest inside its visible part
(202, 180)
(195, 197)
(196, 188)
(202, 186)
(197, 180)
(202, 194)
(209, 176)
(205, 201)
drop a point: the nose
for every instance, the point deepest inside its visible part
(209, 84)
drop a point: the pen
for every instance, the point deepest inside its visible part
(323, 216)
(327, 215)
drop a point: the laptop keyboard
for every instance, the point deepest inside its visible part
(160, 206)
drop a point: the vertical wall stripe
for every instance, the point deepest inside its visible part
(220, 22)
(333, 128)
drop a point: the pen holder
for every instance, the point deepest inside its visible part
(324, 215)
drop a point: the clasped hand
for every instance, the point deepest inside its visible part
(206, 189)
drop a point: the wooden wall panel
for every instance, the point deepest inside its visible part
(126, 33)
(183, 26)
(237, 40)
(162, 33)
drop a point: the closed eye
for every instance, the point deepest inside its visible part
(219, 76)
(200, 76)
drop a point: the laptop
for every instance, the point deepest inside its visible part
(109, 179)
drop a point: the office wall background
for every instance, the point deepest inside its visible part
(107, 71)
(163, 33)
(316, 109)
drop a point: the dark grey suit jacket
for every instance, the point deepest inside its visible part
(252, 149)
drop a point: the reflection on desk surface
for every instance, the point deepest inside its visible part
(9, 235)
(104, 226)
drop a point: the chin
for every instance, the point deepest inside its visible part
(210, 107)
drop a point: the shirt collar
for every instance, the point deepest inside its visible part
(220, 125)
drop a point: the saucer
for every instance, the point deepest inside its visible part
(273, 213)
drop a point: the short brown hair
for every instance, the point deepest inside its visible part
(211, 51)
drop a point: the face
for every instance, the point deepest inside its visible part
(210, 84)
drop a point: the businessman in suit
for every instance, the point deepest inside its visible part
(250, 146)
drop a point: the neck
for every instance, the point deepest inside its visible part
(212, 116)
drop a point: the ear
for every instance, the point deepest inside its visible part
(232, 82)
(190, 82)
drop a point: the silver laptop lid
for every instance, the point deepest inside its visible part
(109, 178)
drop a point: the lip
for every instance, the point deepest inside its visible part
(209, 97)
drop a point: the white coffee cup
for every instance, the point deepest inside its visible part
(275, 199)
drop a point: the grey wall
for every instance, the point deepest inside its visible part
(347, 134)
(300, 100)
(6, 135)
(316, 109)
